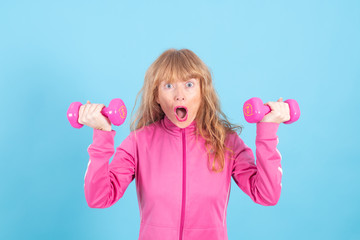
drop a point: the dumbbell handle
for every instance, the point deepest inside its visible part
(108, 112)
(266, 109)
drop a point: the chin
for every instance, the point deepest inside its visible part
(184, 124)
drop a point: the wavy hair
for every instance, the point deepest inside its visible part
(184, 64)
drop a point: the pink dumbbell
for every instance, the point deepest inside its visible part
(255, 110)
(116, 112)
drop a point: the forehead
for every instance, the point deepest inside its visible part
(172, 80)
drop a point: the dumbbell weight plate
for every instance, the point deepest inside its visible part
(116, 111)
(73, 114)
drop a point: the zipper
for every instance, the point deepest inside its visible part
(184, 185)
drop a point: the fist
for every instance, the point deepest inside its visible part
(90, 115)
(280, 112)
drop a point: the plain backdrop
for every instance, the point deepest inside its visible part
(53, 53)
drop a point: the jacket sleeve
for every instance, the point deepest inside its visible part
(261, 182)
(106, 183)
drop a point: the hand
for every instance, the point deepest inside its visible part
(280, 112)
(90, 115)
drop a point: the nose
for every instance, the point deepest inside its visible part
(179, 95)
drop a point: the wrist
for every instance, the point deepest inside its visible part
(266, 130)
(104, 129)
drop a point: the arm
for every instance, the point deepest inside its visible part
(261, 182)
(106, 183)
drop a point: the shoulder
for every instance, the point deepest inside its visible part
(135, 137)
(231, 136)
(145, 131)
(234, 141)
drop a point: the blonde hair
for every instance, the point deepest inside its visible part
(184, 64)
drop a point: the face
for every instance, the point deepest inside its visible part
(172, 96)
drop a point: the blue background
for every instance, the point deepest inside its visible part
(54, 53)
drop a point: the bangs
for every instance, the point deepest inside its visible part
(177, 67)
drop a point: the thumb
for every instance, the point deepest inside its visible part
(87, 102)
(280, 99)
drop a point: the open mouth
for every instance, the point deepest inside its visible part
(181, 113)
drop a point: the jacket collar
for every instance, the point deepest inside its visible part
(175, 130)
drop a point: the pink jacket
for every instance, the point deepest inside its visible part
(179, 197)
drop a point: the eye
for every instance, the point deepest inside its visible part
(168, 84)
(190, 83)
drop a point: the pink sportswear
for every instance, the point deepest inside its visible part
(179, 197)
